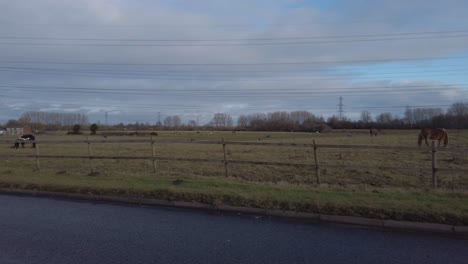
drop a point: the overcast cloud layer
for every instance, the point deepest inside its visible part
(135, 59)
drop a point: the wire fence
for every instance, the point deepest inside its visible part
(316, 166)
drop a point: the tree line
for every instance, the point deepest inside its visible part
(49, 120)
(454, 117)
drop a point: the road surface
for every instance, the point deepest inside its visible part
(41, 230)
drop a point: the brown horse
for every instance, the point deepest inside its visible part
(438, 134)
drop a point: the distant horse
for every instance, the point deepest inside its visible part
(23, 139)
(438, 134)
(374, 132)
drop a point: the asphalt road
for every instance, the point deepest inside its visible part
(40, 230)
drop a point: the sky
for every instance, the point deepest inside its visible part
(139, 61)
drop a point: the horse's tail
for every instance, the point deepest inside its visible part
(445, 138)
(420, 139)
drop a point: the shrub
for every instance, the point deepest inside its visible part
(93, 128)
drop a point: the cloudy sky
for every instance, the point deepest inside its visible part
(138, 60)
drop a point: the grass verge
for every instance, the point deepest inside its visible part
(434, 207)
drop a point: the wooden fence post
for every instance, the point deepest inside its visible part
(37, 157)
(225, 159)
(90, 156)
(317, 169)
(434, 165)
(154, 154)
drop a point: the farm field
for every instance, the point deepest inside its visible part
(419, 159)
(390, 194)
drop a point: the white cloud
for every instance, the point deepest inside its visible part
(214, 20)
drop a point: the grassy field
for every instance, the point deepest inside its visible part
(419, 159)
(392, 194)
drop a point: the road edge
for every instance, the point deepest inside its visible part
(315, 217)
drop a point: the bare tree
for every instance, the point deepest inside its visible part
(221, 120)
(192, 123)
(53, 118)
(300, 117)
(243, 121)
(409, 116)
(366, 117)
(458, 109)
(176, 121)
(384, 118)
(168, 121)
(458, 115)
(172, 121)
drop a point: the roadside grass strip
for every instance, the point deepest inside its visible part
(378, 203)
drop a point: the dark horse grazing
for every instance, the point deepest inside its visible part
(23, 139)
(374, 132)
(433, 134)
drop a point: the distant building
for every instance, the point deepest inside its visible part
(18, 130)
(2, 131)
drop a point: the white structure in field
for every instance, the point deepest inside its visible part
(18, 130)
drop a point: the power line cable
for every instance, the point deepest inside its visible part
(230, 44)
(237, 64)
(361, 68)
(192, 26)
(238, 39)
(244, 93)
(233, 80)
(153, 106)
(354, 88)
(195, 74)
(250, 95)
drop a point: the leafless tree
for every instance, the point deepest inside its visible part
(384, 118)
(172, 121)
(53, 119)
(366, 117)
(192, 123)
(458, 109)
(221, 120)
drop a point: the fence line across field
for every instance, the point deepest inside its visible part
(433, 151)
(220, 142)
(287, 164)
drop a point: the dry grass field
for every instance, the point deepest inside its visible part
(419, 159)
